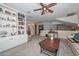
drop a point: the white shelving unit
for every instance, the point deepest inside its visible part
(9, 23)
(21, 24)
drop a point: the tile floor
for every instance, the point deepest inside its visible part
(32, 48)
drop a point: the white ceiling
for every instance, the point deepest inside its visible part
(60, 10)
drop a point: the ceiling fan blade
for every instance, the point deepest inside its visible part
(51, 4)
(38, 9)
(51, 11)
(43, 12)
(42, 4)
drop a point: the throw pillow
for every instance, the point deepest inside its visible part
(76, 37)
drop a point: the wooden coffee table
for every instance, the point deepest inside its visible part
(49, 47)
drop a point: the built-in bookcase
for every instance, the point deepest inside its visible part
(11, 22)
(12, 28)
(21, 23)
(8, 22)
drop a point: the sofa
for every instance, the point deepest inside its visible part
(73, 43)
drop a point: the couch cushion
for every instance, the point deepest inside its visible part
(76, 37)
(71, 40)
(76, 45)
(76, 48)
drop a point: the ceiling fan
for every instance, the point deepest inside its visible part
(46, 8)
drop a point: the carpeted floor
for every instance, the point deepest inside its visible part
(32, 48)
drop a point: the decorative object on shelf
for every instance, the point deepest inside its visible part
(14, 14)
(8, 25)
(13, 26)
(8, 19)
(22, 32)
(13, 20)
(0, 25)
(12, 34)
(21, 15)
(21, 23)
(19, 32)
(3, 25)
(20, 19)
(3, 33)
(1, 10)
(7, 12)
(2, 18)
(20, 27)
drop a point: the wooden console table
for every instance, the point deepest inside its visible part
(49, 47)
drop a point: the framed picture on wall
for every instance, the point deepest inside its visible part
(41, 27)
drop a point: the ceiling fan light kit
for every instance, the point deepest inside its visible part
(46, 8)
